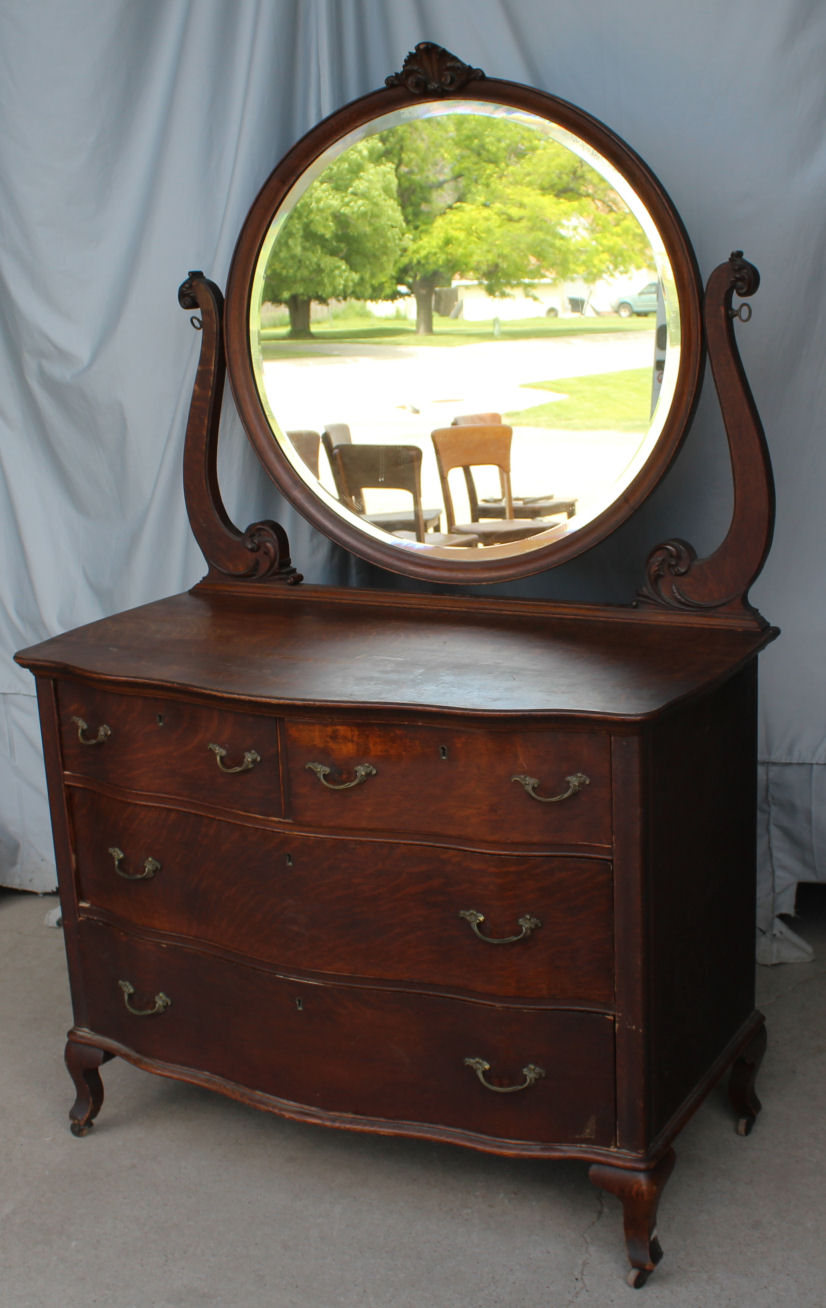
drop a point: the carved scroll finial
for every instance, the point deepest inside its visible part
(745, 276)
(431, 69)
(719, 584)
(186, 291)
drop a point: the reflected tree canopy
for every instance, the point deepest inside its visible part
(416, 205)
(344, 239)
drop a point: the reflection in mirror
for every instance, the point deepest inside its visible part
(480, 297)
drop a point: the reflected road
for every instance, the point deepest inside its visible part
(390, 392)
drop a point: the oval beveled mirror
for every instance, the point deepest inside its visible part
(463, 326)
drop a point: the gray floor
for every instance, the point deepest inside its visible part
(180, 1197)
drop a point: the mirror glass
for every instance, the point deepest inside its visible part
(464, 285)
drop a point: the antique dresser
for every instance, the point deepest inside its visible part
(432, 864)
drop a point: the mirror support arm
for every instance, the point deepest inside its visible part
(261, 553)
(719, 584)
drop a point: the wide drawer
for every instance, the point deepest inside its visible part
(444, 781)
(217, 756)
(406, 912)
(363, 1052)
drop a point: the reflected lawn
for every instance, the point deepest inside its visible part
(619, 401)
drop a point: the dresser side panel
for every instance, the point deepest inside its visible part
(701, 888)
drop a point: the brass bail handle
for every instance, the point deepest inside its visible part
(530, 1071)
(104, 732)
(575, 783)
(527, 922)
(360, 774)
(162, 1001)
(150, 866)
(251, 757)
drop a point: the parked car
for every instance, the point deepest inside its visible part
(644, 301)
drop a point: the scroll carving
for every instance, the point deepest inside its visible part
(719, 584)
(429, 69)
(262, 552)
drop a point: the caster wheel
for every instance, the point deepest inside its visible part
(744, 1125)
(80, 1128)
(637, 1277)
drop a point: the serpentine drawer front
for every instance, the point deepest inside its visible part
(532, 926)
(509, 787)
(375, 1053)
(168, 747)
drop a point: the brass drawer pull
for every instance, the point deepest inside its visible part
(249, 761)
(527, 922)
(103, 732)
(162, 1001)
(150, 867)
(530, 1072)
(361, 772)
(575, 784)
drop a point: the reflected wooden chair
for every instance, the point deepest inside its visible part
(337, 434)
(357, 468)
(524, 506)
(467, 446)
(308, 445)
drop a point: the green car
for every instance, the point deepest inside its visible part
(644, 301)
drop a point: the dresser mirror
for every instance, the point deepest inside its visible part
(424, 261)
(436, 865)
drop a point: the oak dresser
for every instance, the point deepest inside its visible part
(478, 870)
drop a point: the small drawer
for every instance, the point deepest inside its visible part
(368, 1053)
(171, 748)
(461, 784)
(530, 926)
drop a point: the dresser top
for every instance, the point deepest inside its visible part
(313, 646)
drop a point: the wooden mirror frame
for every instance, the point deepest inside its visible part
(711, 590)
(431, 75)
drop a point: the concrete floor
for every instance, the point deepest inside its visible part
(181, 1198)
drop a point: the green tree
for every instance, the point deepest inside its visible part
(441, 162)
(343, 239)
(602, 235)
(493, 200)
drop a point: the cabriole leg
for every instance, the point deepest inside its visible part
(83, 1062)
(639, 1193)
(744, 1071)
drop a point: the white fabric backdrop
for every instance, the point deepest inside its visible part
(133, 137)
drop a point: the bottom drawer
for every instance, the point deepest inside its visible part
(359, 1051)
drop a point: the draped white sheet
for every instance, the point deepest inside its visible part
(134, 136)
